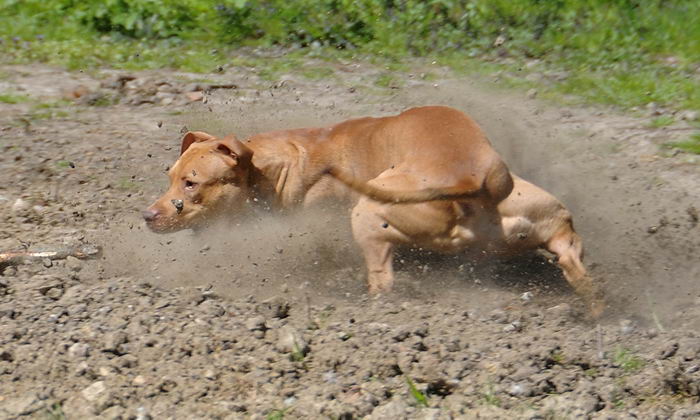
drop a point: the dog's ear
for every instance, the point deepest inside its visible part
(234, 151)
(193, 137)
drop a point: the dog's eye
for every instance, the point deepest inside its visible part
(189, 184)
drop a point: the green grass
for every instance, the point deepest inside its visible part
(624, 53)
(691, 145)
(661, 121)
(276, 414)
(12, 98)
(125, 183)
(417, 394)
(627, 360)
(55, 412)
(388, 80)
(318, 73)
(490, 397)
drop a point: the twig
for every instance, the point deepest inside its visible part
(653, 312)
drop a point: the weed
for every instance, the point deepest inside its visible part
(46, 114)
(627, 360)
(276, 414)
(661, 121)
(387, 80)
(417, 394)
(296, 355)
(64, 164)
(317, 73)
(125, 183)
(490, 397)
(55, 412)
(12, 98)
(691, 145)
(557, 357)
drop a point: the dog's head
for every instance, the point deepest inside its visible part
(210, 177)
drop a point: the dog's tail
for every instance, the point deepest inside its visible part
(496, 185)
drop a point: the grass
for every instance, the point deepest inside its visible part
(627, 361)
(626, 54)
(661, 121)
(276, 414)
(126, 183)
(13, 98)
(691, 145)
(65, 164)
(490, 397)
(417, 394)
(55, 412)
(318, 73)
(387, 80)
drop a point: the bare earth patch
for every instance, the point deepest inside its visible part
(268, 318)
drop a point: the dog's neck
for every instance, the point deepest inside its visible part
(285, 165)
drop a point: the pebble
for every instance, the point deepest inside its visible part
(74, 264)
(256, 323)
(20, 205)
(627, 326)
(139, 380)
(79, 350)
(526, 297)
(92, 392)
(289, 340)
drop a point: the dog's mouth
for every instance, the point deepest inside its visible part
(163, 226)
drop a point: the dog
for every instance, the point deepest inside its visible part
(428, 176)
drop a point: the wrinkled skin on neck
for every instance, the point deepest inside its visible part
(210, 178)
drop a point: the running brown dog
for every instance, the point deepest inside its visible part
(427, 177)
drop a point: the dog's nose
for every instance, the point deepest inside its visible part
(149, 215)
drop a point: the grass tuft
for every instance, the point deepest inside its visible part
(692, 145)
(12, 98)
(627, 360)
(417, 394)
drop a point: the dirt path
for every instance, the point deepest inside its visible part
(270, 319)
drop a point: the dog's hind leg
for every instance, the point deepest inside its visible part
(372, 235)
(567, 246)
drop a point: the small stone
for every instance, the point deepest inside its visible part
(113, 342)
(142, 414)
(79, 350)
(256, 323)
(74, 264)
(289, 340)
(275, 307)
(139, 380)
(520, 390)
(626, 326)
(20, 205)
(21, 406)
(526, 297)
(92, 392)
(194, 96)
(105, 371)
(532, 93)
(689, 115)
(55, 293)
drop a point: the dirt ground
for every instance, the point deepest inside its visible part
(269, 319)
